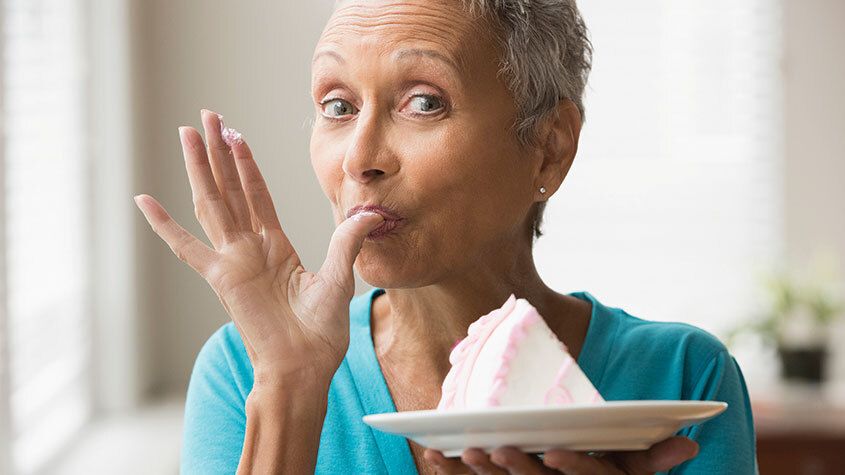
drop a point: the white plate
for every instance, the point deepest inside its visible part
(614, 425)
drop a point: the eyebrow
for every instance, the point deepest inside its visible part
(399, 55)
(428, 53)
(328, 53)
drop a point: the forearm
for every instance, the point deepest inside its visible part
(283, 426)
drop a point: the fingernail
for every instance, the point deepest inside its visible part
(183, 137)
(204, 112)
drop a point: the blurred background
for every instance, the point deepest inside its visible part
(708, 189)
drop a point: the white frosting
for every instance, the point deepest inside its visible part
(513, 358)
(534, 368)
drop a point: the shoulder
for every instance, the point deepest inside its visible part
(224, 346)
(222, 362)
(670, 338)
(675, 339)
(660, 358)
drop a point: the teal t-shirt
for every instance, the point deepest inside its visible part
(624, 356)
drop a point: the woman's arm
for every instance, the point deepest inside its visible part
(233, 425)
(293, 323)
(283, 426)
(727, 441)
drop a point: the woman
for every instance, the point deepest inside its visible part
(442, 127)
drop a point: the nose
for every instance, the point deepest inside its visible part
(368, 155)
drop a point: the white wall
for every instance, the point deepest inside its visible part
(250, 62)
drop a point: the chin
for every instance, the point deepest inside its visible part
(393, 274)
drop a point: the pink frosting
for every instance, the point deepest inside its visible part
(464, 356)
(519, 332)
(230, 136)
(558, 393)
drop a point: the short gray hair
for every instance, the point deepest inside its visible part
(546, 57)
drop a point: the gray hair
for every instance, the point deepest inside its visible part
(546, 57)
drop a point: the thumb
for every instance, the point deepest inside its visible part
(345, 245)
(663, 455)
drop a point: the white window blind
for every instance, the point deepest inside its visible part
(45, 196)
(672, 207)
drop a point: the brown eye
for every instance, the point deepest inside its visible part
(426, 103)
(334, 108)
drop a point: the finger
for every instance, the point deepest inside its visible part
(661, 456)
(574, 463)
(224, 170)
(255, 188)
(186, 247)
(480, 463)
(262, 210)
(344, 247)
(444, 465)
(209, 206)
(517, 462)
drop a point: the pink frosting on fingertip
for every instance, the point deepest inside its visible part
(231, 136)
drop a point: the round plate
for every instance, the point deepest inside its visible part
(609, 426)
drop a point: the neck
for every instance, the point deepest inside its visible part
(419, 326)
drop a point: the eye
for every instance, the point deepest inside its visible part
(334, 108)
(426, 103)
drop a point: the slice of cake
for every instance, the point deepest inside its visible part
(511, 357)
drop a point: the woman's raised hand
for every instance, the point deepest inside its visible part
(509, 460)
(294, 323)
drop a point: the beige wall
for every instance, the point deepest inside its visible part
(814, 69)
(192, 54)
(814, 139)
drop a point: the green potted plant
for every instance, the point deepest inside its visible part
(796, 323)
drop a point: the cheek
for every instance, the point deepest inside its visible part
(468, 176)
(327, 162)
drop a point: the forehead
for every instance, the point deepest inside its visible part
(384, 27)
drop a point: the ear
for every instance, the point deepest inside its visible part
(557, 146)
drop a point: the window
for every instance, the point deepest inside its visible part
(46, 331)
(672, 207)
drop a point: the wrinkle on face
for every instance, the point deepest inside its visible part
(390, 24)
(461, 178)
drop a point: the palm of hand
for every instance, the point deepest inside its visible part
(290, 320)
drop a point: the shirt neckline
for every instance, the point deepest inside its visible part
(375, 396)
(371, 386)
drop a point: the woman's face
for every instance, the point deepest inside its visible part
(410, 115)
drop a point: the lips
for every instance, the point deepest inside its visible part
(392, 219)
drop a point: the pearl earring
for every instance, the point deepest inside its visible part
(542, 189)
